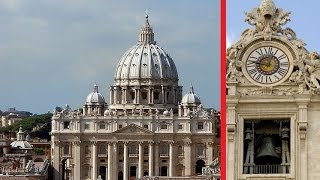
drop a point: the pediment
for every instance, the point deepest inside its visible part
(133, 129)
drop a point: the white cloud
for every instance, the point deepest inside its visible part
(228, 41)
(11, 6)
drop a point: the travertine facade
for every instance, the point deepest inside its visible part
(144, 131)
(272, 102)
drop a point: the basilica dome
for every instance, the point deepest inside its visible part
(190, 98)
(146, 77)
(95, 96)
(146, 61)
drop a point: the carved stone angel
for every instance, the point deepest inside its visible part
(313, 68)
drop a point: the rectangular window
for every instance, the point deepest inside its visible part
(102, 126)
(120, 126)
(66, 125)
(200, 150)
(180, 126)
(200, 125)
(156, 95)
(144, 95)
(164, 126)
(87, 126)
(146, 126)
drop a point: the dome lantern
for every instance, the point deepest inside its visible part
(146, 34)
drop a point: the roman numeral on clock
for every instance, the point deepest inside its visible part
(252, 71)
(281, 57)
(282, 72)
(284, 64)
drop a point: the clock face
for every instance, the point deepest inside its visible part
(267, 65)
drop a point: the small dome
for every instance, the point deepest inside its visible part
(166, 113)
(191, 98)
(107, 112)
(95, 96)
(21, 144)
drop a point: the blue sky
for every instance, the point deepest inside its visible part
(52, 51)
(304, 19)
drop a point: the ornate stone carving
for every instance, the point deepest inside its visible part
(267, 19)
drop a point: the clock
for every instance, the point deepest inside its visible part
(267, 64)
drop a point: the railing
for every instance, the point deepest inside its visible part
(268, 169)
(102, 155)
(133, 155)
(164, 155)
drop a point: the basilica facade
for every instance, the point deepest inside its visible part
(148, 128)
(272, 101)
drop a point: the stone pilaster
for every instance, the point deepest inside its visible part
(109, 175)
(115, 160)
(171, 159)
(77, 159)
(187, 159)
(125, 161)
(94, 160)
(56, 159)
(140, 168)
(151, 158)
(156, 159)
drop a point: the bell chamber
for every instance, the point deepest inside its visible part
(266, 145)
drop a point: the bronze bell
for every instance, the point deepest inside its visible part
(248, 135)
(267, 154)
(285, 133)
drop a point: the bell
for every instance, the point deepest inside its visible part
(285, 133)
(267, 154)
(248, 136)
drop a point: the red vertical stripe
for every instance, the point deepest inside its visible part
(223, 87)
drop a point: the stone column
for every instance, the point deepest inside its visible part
(162, 95)
(171, 159)
(149, 96)
(125, 161)
(156, 159)
(122, 96)
(77, 159)
(140, 174)
(187, 159)
(94, 160)
(138, 96)
(151, 158)
(109, 176)
(111, 96)
(115, 160)
(152, 96)
(115, 95)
